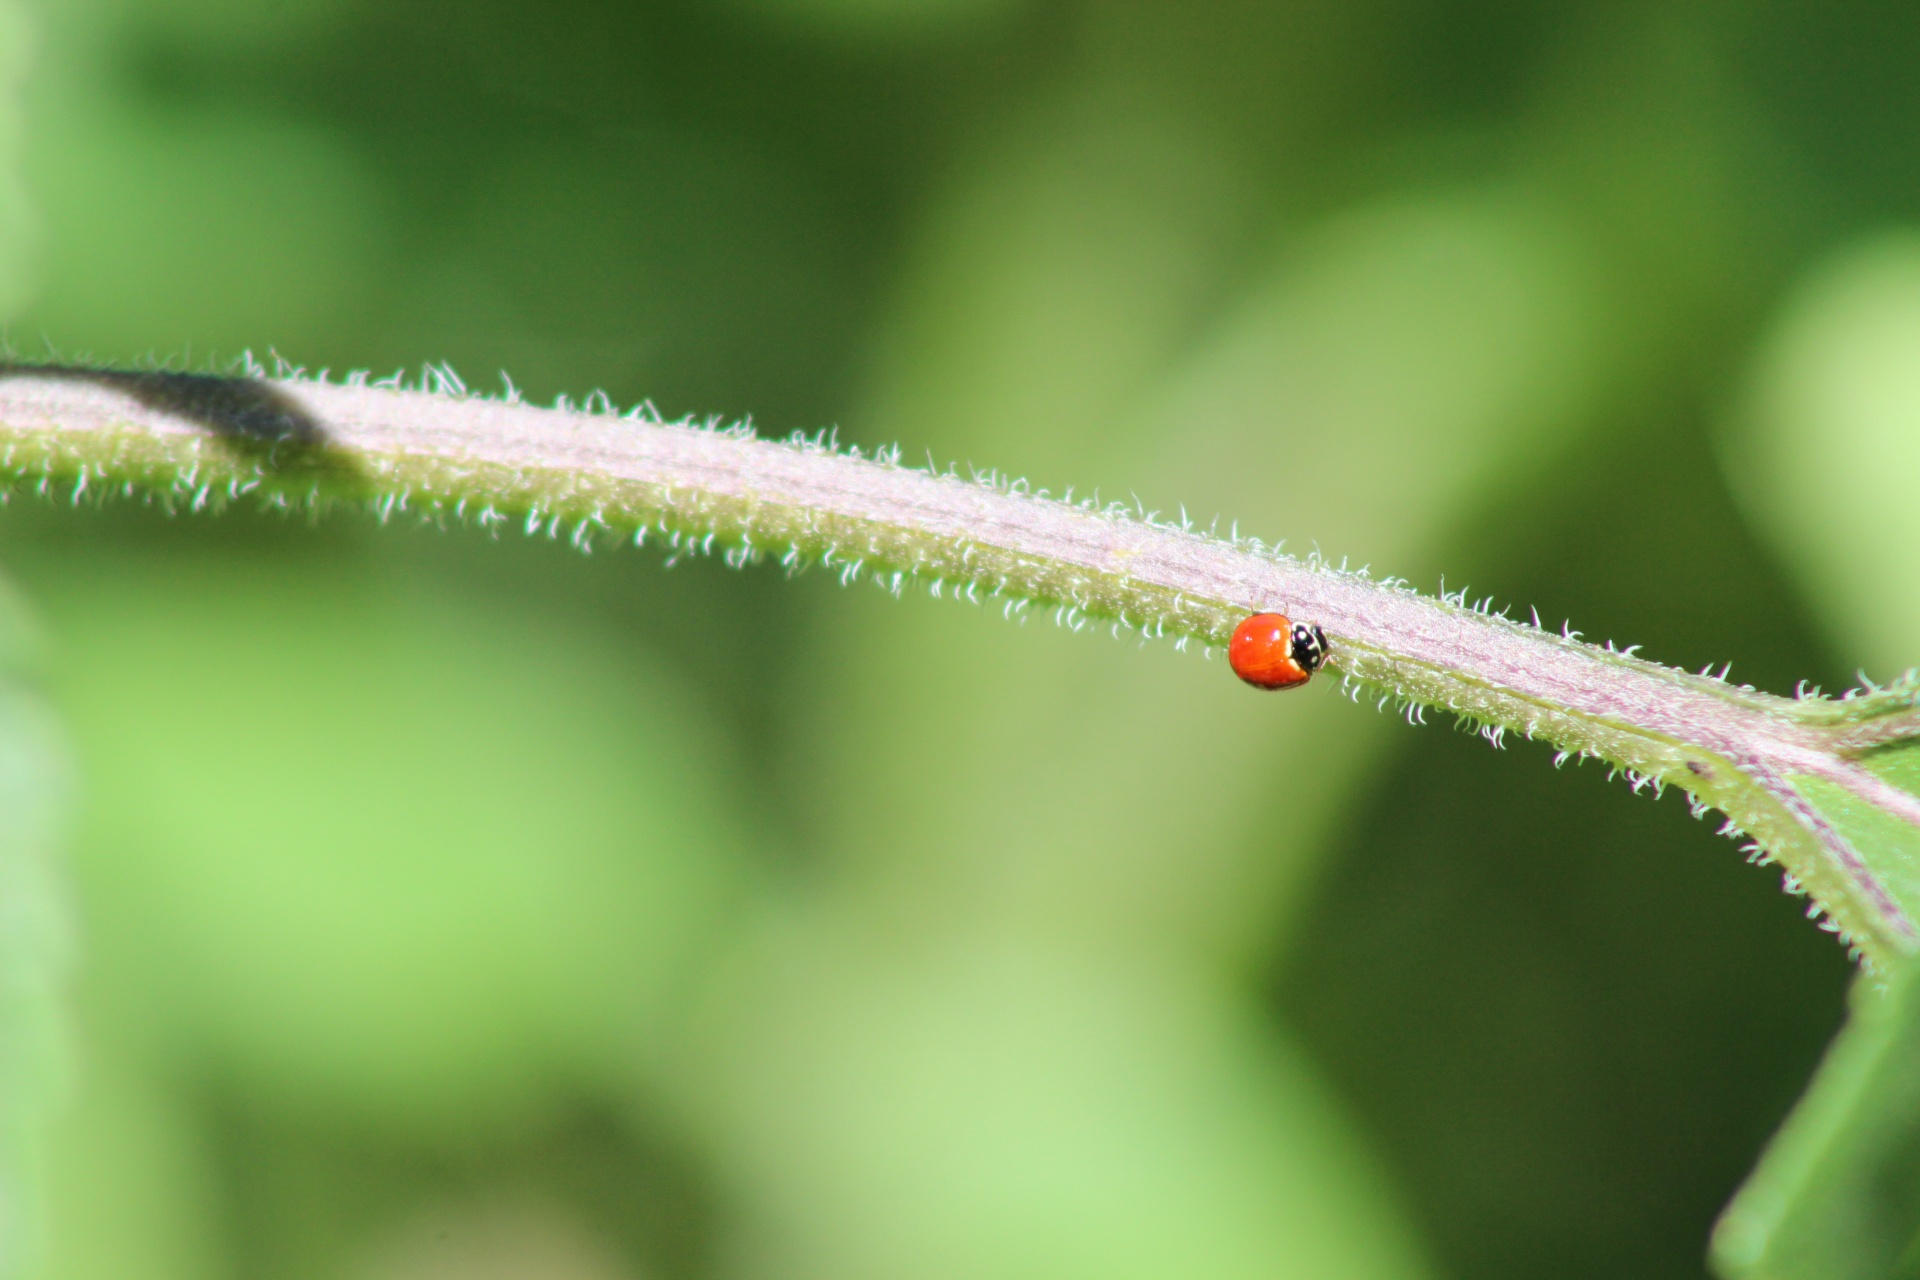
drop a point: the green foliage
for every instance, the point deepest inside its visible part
(1826, 455)
(446, 899)
(1898, 764)
(35, 941)
(283, 912)
(1828, 452)
(1837, 1195)
(17, 231)
(1890, 845)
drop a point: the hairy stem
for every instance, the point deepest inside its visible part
(199, 441)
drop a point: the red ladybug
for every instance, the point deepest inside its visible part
(1269, 651)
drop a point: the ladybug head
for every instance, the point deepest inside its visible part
(1309, 646)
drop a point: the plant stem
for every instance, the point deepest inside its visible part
(200, 441)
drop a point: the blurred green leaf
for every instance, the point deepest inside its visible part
(133, 1178)
(34, 942)
(34, 929)
(1837, 1195)
(371, 843)
(1826, 453)
(249, 229)
(1827, 458)
(1898, 764)
(383, 844)
(17, 239)
(885, 21)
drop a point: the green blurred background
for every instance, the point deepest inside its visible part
(442, 907)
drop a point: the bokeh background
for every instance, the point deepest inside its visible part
(441, 907)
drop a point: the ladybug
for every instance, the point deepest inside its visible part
(1269, 651)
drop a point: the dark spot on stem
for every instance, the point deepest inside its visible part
(255, 419)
